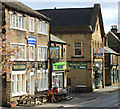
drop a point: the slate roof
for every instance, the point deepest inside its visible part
(54, 39)
(118, 35)
(75, 17)
(20, 7)
(109, 50)
(69, 17)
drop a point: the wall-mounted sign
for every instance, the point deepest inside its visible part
(19, 67)
(98, 51)
(43, 65)
(54, 53)
(59, 66)
(31, 40)
(78, 65)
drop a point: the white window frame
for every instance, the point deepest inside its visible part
(42, 80)
(46, 53)
(42, 27)
(30, 59)
(20, 92)
(23, 28)
(33, 24)
(19, 59)
(78, 47)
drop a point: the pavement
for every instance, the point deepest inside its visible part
(108, 89)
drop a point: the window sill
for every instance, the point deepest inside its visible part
(77, 57)
(18, 59)
(42, 33)
(31, 31)
(18, 29)
(18, 94)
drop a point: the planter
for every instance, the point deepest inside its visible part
(12, 104)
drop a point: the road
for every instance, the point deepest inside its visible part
(92, 100)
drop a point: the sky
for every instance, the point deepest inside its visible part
(109, 8)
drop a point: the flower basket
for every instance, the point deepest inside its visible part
(12, 104)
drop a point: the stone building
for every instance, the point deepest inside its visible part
(111, 66)
(29, 31)
(58, 62)
(82, 29)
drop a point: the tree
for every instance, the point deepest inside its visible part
(6, 52)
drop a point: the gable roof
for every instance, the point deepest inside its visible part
(114, 35)
(55, 39)
(75, 17)
(20, 7)
(109, 50)
(118, 35)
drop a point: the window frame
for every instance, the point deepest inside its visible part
(19, 59)
(20, 92)
(33, 24)
(46, 51)
(15, 26)
(30, 59)
(42, 27)
(43, 79)
(81, 49)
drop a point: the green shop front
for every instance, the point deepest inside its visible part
(59, 77)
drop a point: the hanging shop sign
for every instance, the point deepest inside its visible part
(43, 65)
(98, 51)
(19, 67)
(31, 40)
(78, 65)
(54, 53)
(60, 66)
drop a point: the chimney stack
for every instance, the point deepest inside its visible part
(114, 29)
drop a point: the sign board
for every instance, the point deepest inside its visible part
(78, 65)
(19, 67)
(31, 40)
(98, 51)
(60, 66)
(54, 53)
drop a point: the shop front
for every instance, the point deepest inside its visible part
(97, 75)
(114, 75)
(59, 75)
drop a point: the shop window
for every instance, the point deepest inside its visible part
(17, 21)
(42, 27)
(42, 80)
(31, 25)
(21, 54)
(18, 83)
(57, 80)
(42, 53)
(78, 49)
(31, 52)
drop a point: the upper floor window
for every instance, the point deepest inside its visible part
(31, 25)
(42, 53)
(21, 54)
(31, 52)
(77, 49)
(42, 27)
(17, 21)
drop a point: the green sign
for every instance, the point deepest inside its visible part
(19, 67)
(60, 66)
(78, 65)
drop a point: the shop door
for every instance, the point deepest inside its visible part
(32, 83)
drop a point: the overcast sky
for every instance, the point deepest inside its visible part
(109, 7)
